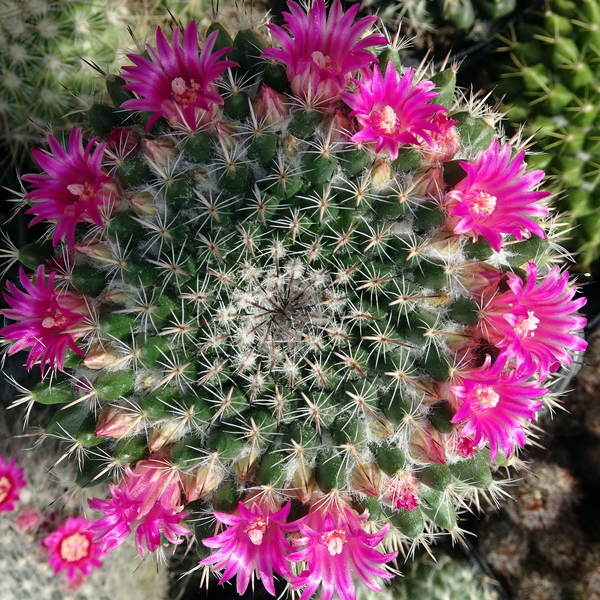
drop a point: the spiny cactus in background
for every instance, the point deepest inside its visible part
(536, 542)
(299, 301)
(442, 578)
(460, 14)
(550, 77)
(40, 532)
(42, 44)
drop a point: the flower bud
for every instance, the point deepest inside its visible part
(381, 174)
(100, 356)
(117, 421)
(366, 478)
(96, 250)
(201, 481)
(428, 445)
(162, 151)
(270, 106)
(143, 203)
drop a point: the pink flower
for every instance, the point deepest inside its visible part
(73, 549)
(50, 320)
(149, 497)
(497, 197)
(392, 111)
(324, 50)
(178, 83)
(534, 320)
(495, 401)
(11, 481)
(401, 491)
(335, 547)
(445, 142)
(254, 542)
(74, 189)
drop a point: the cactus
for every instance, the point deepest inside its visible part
(287, 310)
(460, 14)
(550, 78)
(443, 577)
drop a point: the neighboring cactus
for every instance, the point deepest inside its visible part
(287, 301)
(442, 578)
(460, 14)
(44, 79)
(551, 78)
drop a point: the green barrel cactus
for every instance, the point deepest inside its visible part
(550, 78)
(443, 577)
(287, 300)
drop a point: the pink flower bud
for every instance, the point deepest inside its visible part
(270, 106)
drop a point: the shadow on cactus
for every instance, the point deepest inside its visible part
(298, 302)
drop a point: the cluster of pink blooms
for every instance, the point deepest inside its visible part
(330, 542)
(149, 498)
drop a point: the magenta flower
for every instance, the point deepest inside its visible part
(149, 497)
(11, 481)
(497, 197)
(253, 543)
(179, 82)
(445, 142)
(73, 549)
(401, 491)
(335, 547)
(49, 320)
(535, 320)
(495, 402)
(324, 51)
(392, 111)
(74, 188)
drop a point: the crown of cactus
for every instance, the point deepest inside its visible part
(285, 304)
(551, 79)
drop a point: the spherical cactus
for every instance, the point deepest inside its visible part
(301, 299)
(442, 577)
